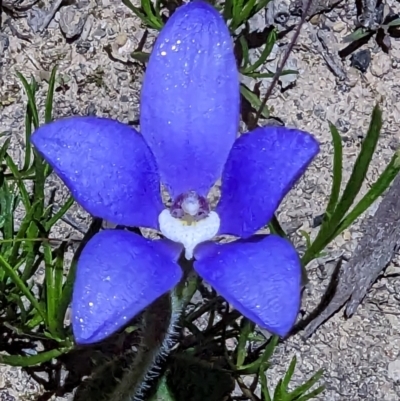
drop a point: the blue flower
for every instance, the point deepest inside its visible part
(189, 125)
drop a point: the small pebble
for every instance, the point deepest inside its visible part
(99, 33)
(121, 39)
(361, 60)
(339, 26)
(72, 21)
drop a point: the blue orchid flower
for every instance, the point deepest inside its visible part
(189, 127)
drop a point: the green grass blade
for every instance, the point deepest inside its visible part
(31, 360)
(48, 114)
(58, 284)
(26, 222)
(236, 11)
(21, 285)
(141, 57)
(271, 40)
(246, 329)
(31, 99)
(357, 35)
(28, 133)
(312, 394)
(21, 186)
(289, 374)
(376, 190)
(138, 12)
(325, 234)
(148, 9)
(271, 74)
(259, 6)
(50, 288)
(245, 51)
(279, 395)
(253, 100)
(54, 281)
(3, 150)
(337, 169)
(228, 9)
(395, 22)
(57, 216)
(264, 385)
(254, 367)
(360, 167)
(276, 228)
(38, 186)
(8, 204)
(31, 246)
(304, 388)
(247, 9)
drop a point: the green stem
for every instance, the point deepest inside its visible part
(163, 317)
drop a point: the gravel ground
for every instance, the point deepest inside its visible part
(361, 356)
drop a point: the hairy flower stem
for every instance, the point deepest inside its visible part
(160, 331)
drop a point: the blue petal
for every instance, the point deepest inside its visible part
(106, 165)
(118, 275)
(190, 99)
(260, 277)
(262, 167)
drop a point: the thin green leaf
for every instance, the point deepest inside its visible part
(247, 9)
(301, 390)
(57, 216)
(8, 203)
(34, 322)
(270, 74)
(142, 57)
(17, 240)
(227, 11)
(271, 40)
(259, 6)
(31, 99)
(31, 251)
(307, 237)
(395, 22)
(236, 11)
(289, 373)
(163, 392)
(253, 100)
(376, 190)
(360, 166)
(337, 169)
(357, 35)
(246, 329)
(138, 12)
(312, 394)
(148, 9)
(31, 360)
(351, 190)
(245, 50)
(48, 115)
(54, 278)
(28, 133)
(21, 285)
(254, 367)
(279, 394)
(4, 148)
(38, 184)
(21, 186)
(276, 228)
(264, 385)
